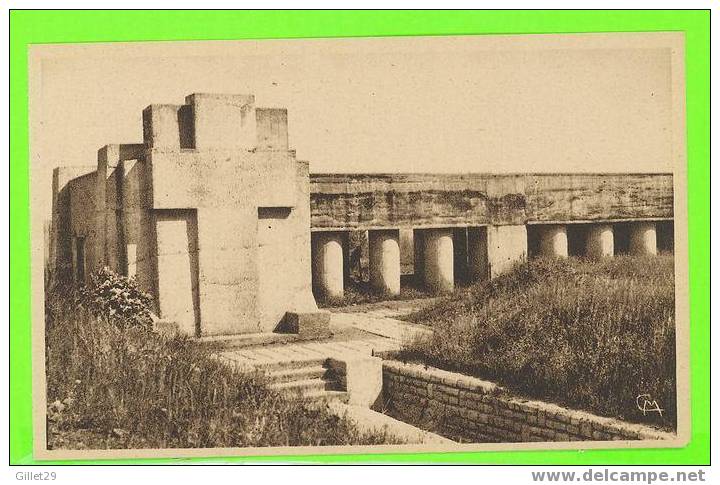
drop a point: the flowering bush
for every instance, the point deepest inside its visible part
(117, 298)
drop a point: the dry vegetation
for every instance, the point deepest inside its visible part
(114, 383)
(587, 334)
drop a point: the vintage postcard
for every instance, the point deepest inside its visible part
(359, 245)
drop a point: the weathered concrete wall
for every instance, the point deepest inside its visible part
(251, 198)
(345, 201)
(81, 203)
(61, 234)
(211, 214)
(126, 241)
(138, 244)
(468, 409)
(237, 250)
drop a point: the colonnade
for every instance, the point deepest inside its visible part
(488, 250)
(599, 239)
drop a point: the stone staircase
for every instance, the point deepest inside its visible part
(310, 380)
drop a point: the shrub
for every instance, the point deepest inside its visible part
(117, 298)
(587, 334)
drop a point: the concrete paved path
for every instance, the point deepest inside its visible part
(260, 356)
(367, 330)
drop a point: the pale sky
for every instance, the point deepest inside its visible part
(464, 104)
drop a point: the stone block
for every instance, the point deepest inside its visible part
(272, 128)
(364, 380)
(223, 121)
(161, 128)
(309, 325)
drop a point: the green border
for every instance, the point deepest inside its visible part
(31, 27)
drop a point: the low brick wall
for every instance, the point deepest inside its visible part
(467, 409)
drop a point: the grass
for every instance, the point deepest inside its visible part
(586, 334)
(110, 386)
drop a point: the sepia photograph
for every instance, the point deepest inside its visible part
(359, 245)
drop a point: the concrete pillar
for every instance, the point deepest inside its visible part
(554, 241)
(385, 261)
(438, 260)
(643, 238)
(62, 241)
(600, 241)
(328, 265)
(507, 246)
(477, 253)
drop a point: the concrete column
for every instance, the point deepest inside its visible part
(643, 238)
(385, 261)
(507, 246)
(477, 253)
(600, 241)
(438, 260)
(554, 241)
(328, 265)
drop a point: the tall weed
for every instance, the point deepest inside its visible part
(587, 334)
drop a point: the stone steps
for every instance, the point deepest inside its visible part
(307, 379)
(297, 374)
(311, 390)
(300, 387)
(290, 363)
